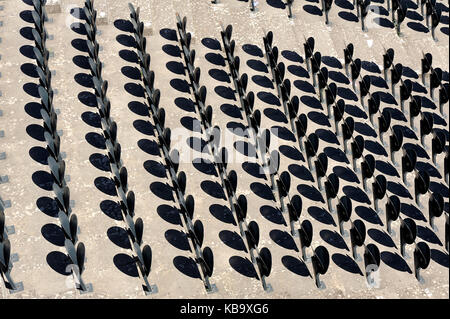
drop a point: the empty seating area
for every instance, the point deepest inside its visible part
(224, 149)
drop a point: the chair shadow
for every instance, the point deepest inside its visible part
(119, 237)
(276, 4)
(262, 190)
(162, 190)
(48, 206)
(253, 50)
(123, 25)
(111, 209)
(100, 161)
(291, 152)
(87, 98)
(254, 169)
(292, 56)
(168, 34)
(348, 16)
(346, 174)
(126, 40)
(298, 71)
(186, 266)
(126, 264)
(212, 44)
(178, 239)
(312, 10)
(232, 240)
(310, 192)
(283, 239)
(440, 257)
(344, 4)
(355, 111)
(131, 72)
(383, 22)
(243, 266)
(231, 110)
(275, 115)
(149, 146)
(31, 89)
(334, 239)
(39, 154)
(59, 262)
(155, 168)
(106, 185)
(172, 50)
(416, 26)
(296, 266)
(301, 172)
(428, 235)
(43, 179)
(215, 58)
(33, 109)
(272, 214)
(92, 119)
(319, 118)
(169, 214)
(129, 56)
(257, 65)
(263, 81)
(381, 237)
(395, 261)
(225, 92)
(368, 214)
(386, 168)
(80, 45)
(336, 154)
(222, 213)
(96, 140)
(27, 51)
(398, 189)
(219, 75)
(268, 98)
(29, 69)
(346, 263)
(321, 215)
(204, 166)
(53, 234)
(213, 189)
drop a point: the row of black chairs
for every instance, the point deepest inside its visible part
(68, 220)
(194, 228)
(309, 146)
(249, 231)
(134, 228)
(263, 259)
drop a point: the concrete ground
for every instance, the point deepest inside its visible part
(38, 240)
